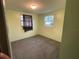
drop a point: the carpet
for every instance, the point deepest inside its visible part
(36, 47)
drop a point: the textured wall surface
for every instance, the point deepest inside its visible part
(15, 31)
(55, 31)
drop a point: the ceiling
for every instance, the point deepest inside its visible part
(43, 6)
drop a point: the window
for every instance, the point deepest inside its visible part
(49, 21)
(26, 22)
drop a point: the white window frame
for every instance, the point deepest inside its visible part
(49, 21)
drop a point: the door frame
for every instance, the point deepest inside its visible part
(4, 41)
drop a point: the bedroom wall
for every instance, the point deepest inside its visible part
(54, 32)
(15, 30)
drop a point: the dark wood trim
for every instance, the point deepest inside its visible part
(4, 43)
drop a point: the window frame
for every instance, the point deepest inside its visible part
(26, 22)
(49, 22)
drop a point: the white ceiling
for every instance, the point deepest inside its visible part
(43, 6)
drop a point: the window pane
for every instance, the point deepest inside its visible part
(26, 22)
(49, 20)
(21, 19)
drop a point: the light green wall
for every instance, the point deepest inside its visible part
(70, 39)
(54, 32)
(15, 30)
